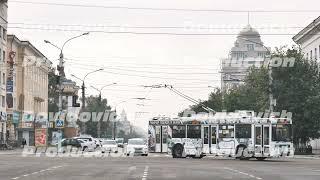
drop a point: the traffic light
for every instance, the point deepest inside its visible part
(74, 101)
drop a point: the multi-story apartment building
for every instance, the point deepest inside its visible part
(29, 97)
(248, 50)
(309, 40)
(3, 76)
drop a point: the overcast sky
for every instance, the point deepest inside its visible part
(188, 62)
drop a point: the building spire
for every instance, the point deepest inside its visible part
(248, 17)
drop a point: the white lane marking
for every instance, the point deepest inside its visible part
(36, 172)
(145, 173)
(246, 174)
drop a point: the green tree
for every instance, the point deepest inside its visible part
(297, 90)
(53, 94)
(95, 105)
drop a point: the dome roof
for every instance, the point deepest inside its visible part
(249, 31)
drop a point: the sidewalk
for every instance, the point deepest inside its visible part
(11, 152)
(307, 156)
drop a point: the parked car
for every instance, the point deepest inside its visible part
(90, 142)
(76, 143)
(120, 142)
(137, 146)
(109, 146)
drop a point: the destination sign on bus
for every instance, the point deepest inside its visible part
(165, 122)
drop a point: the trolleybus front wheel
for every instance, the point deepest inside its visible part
(177, 151)
(243, 152)
(261, 158)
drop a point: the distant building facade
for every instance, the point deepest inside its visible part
(309, 41)
(248, 50)
(28, 102)
(3, 73)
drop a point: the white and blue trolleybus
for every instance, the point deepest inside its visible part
(242, 137)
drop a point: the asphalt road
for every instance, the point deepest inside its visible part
(153, 167)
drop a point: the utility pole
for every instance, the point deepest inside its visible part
(114, 130)
(271, 100)
(83, 100)
(60, 68)
(83, 106)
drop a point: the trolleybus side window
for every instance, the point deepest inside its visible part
(178, 131)
(226, 131)
(194, 131)
(281, 132)
(243, 131)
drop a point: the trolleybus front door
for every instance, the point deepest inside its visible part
(213, 140)
(164, 145)
(262, 140)
(158, 139)
(205, 139)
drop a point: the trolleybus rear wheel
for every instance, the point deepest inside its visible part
(261, 158)
(177, 151)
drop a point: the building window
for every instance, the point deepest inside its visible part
(4, 34)
(3, 101)
(3, 78)
(4, 56)
(250, 47)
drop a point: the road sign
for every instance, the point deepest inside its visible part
(59, 123)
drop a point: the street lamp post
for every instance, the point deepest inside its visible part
(60, 68)
(271, 100)
(83, 130)
(100, 101)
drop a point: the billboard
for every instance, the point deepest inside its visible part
(10, 75)
(15, 117)
(40, 137)
(56, 137)
(27, 117)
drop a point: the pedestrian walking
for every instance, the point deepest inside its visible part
(24, 142)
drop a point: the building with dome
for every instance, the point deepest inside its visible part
(248, 51)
